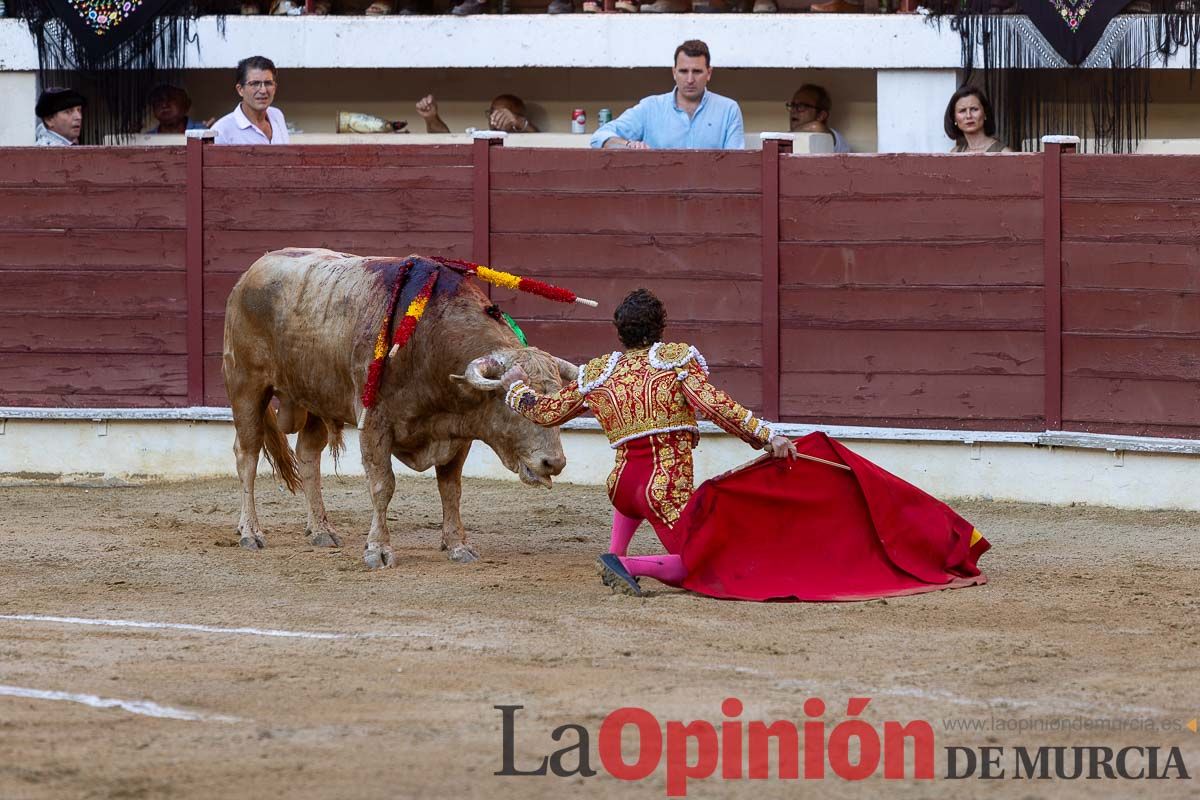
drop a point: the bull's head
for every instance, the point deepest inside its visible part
(534, 453)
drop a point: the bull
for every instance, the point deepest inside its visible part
(300, 327)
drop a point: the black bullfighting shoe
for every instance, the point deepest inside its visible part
(614, 575)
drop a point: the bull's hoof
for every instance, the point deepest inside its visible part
(379, 557)
(463, 554)
(323, 538)
(253, 541)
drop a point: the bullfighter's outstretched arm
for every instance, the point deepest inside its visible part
(546, 410)
(730, 415)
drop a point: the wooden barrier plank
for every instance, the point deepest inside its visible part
(214, 382)
(1133, 429)
(72, 400)
(1094, 356)
(91, 207)
(255, 209)
(612, 212)
(916, 219)
(356, 177)
(1125, 220)
(70, 167)
(913, 397)
(931, 423)
(911, 264)
(368, 156)
(234, 251)
(1132, 265)
(1128, 401)
(1161, 177)
(912, 352)
(744, 384)
(592, 171)
(96, 373)
(633, 255)
(84, 250)
(909, 175)
(958, 308)
(91, 292)
(1130, 311)
(29, 331)
(724, 345)
(685, 299)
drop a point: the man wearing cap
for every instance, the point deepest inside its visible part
(61, 113)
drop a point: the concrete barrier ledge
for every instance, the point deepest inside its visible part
(111, 447)
(1072, 439)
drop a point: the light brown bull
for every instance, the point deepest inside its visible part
(300, 326)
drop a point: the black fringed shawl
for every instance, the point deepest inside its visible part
(1070, 66)
(113, 51)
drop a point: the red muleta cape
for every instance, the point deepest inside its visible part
(778, 529)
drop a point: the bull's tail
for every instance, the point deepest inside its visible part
(279, 452)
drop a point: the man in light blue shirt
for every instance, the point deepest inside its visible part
(687, 117)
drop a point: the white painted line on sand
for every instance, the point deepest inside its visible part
(142, 707)
(179, 626)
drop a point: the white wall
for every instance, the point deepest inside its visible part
(18, 96)
(995, 466)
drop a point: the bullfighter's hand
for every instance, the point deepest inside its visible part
(427, 107)
(514, 374)
(783, 447)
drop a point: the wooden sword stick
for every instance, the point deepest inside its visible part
(823, 461)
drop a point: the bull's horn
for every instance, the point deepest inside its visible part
(566, 370)
(479, 373)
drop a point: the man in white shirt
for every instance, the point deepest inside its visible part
(808, 112)
(254, 120)
(61, 115)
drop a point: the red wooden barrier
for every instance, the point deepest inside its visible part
(923, 291)
(369, 199)
(1131, 294)
(92, 286)
(911, 291)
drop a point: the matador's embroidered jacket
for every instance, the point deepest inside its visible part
(651, 392)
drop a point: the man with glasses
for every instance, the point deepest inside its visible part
(505, 113)
(808, 112)
(254, 120)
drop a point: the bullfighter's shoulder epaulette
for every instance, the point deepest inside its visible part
(597, 371)
(676, 356)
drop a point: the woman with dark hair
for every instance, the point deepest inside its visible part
(646, 400)
(970, 123)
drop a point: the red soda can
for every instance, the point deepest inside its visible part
(578, 121)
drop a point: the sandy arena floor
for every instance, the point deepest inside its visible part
(1090, 615)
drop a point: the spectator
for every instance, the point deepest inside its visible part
(808, 112)
(467, 8)
(254, 120)
(505, 113)
(61, 114)
(970, 123)
(689, 116)
(170, 106)
(681, 7)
